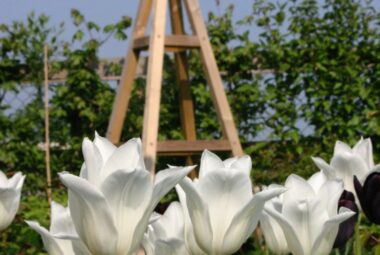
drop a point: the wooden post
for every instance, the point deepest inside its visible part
(185, 99)
(153, 86)
(212, 73)
(123, 94)
(47, 136)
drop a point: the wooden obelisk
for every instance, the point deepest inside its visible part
(157, 43)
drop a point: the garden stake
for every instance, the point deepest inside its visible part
(47, 139)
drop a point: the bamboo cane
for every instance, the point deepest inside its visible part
(47, 139)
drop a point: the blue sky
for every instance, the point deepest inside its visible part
(101, 12)
(104, 12)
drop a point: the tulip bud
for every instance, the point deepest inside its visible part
(346, 228)
(369, 195)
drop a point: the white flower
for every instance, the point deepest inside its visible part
(347, 162)
(10, 192)
(274, 236)
(61, 226)
(165, 236)
(308, 215)
(111, 201)
(222, 209)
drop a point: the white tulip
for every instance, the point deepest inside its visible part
(165, 236)
(61, 226)
(10, 192)
(274, 236)
(347, 162)
(111, 201)
(222, 209)
(308, 215)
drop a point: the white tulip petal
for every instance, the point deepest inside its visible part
(91, 215)
(348, 165)
(93, 161)
(9, 203)
(61, 221)
(79, 247)
(3, 180)
(166, 179)
(106, 148)
(170, 247)
(295, 245)
(228, 162)
(243, 164)
(364, 149)
(325, 241)
(317, 180)
(53, 246)
(274, 236)
(341, 148)
(171, 224)
(129, 196)
(83, 172)
(189, 237)
(127, 157)
(245, 221)
(326, 168)
(199, 215)
(225, 193)
(209, 163)
(333, 190)
(298, 188)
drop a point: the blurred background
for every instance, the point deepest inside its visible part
(299, 75)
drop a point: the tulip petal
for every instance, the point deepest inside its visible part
(166, 179)
(209, 163)
(369, 195)
(341, 148)
(91, 215)
(324, 242)
(171, 224)
(199, 215)
(52, 245)
(105, 147)
(170, 247)
(326, 168)
(298, 188)
(129, 196)
(364, 149)
(9, 203)
(3, 180)
(93, 162)
(224, 191)
(293, 234)
(127, 157)
(189, 237)
(243, 164)
(317, 180)
(347, 165)
(274, 236)
(61, 221)
(245, 221)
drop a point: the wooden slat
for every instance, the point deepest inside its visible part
(120, 106)
(212, 73)
(196, 146)
(171, 42)
(184, 92)
(153, 86)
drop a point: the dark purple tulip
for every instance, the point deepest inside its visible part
(369, 196)
(347, 227)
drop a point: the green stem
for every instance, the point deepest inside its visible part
(357, 241)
